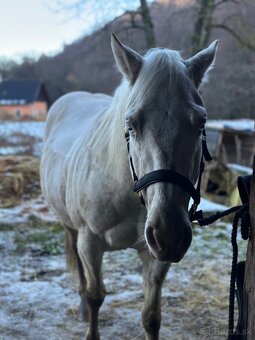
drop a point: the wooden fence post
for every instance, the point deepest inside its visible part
(249, 278)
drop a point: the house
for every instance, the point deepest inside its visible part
(23, 100)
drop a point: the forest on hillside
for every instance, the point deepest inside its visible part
(184, 25)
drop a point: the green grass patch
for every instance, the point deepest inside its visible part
(49, 240)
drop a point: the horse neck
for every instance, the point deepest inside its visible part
(111, 139)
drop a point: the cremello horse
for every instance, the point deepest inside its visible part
(86, 176)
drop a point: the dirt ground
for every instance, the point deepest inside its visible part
(39, 299)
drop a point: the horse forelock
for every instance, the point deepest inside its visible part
(161, 66)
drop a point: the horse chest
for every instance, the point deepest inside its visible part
(104, 213)
(125, 235)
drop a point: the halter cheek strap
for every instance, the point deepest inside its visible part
(173, 177)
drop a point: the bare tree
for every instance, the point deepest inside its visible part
(202, 25)
(96, 13)
(147, 24)
(205, 24)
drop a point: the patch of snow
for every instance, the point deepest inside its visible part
(134, 278)
(247, 125)
(12, 150)
(208, 206)
(240, 168)
(10, 130)
(130, 295)
(34, 129)
(12, 101)
(21, 213)
(167, 294)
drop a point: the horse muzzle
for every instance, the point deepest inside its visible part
(168, 244)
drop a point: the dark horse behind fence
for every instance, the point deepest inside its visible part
(87, 172)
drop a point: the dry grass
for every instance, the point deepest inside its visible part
(19, 176)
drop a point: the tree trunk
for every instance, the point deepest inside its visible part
(249, 279)
(148, 24)
(202, 28)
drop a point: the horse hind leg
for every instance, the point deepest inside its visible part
(154, 273)
(75, 266)
(90, 250)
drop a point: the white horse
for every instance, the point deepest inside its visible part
(87, 179)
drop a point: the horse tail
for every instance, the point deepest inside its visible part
(72, 256)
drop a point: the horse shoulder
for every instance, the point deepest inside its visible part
(68, 120)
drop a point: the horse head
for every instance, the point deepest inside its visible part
(165, 117)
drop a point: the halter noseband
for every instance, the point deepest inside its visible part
(173, 177)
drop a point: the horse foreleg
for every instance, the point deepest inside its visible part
(75, 265)
(154, 273)
(90, 250)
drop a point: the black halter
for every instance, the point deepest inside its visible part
(173, 177)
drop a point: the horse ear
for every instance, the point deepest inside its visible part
(128, 60)
(199, 65)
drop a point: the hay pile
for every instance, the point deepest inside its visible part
(222, 184)
(19, 179)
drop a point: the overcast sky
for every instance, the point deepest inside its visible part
(29, 27)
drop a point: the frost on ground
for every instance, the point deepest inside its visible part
(39, 299)
(21, 138)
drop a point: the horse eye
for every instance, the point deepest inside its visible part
(130, 125)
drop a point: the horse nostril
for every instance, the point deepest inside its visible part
(152, 239)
